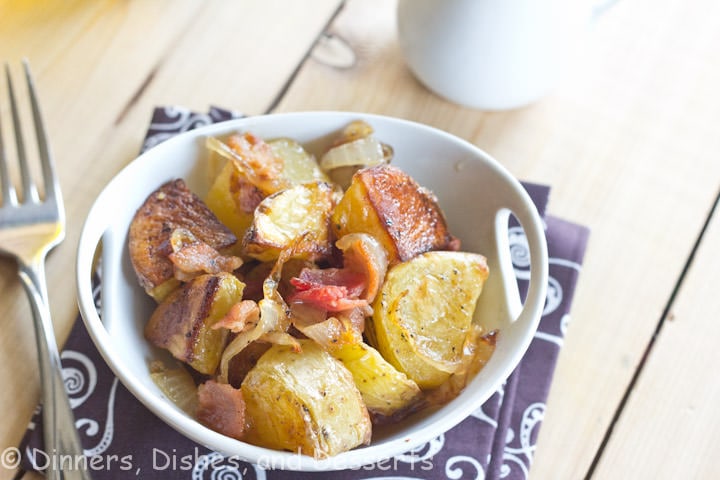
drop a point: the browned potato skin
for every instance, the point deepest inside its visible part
(169, 207)
(259, 241)
(304, 402)
(233, 198)
(181, 323)
(422, 317)
(387, 203)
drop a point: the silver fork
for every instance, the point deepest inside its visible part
(29, 228)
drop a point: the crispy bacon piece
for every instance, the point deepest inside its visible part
(257, 159)
(221, 408)
(309, 278)
(192, 257)
(331, 289)
(364, 255)
(353, 286)
(246, 194)
(332, 298)
(240, 317)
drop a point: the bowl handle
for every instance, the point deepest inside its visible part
(513, 312)
(95, 250)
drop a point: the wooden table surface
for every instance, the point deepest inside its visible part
(629, 141)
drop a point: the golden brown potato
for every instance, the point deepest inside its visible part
(388, 204)
(298, 213)
(244, 178)
(251, 172)
(386, 391)
(304, 402)
(168, 208)
(423, 316)
(182, 322)
(233, 199)
(299, 166)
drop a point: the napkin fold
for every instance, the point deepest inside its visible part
(122, 439)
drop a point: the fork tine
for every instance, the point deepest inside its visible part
(50, 179)
(29, 191)
(8, 191)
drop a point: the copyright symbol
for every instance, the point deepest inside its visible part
(10, 458)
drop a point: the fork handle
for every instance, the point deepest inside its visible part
(62, 444)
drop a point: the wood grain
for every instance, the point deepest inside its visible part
(636, 102)
(670, 427)
(100, 67)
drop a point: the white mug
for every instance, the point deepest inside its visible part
(490, 54)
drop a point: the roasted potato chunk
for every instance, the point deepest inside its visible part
(388, 204)
(387, 392)
(183, 322)
(304, 402)
(299, 166)
(252, 172)
(233, 198)
(297, 217)
(168, 208)
(423, 316)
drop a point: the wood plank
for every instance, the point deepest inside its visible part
(639, 99)
(100, 67)
(671, 426)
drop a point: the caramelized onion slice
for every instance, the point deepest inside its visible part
(345, 328)
(272, 315)
(177, 384)
(362, 253)
(367, 151)
(254, 158)
(192, 257)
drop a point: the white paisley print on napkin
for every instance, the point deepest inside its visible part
(454, 471)
(520, 457)
(80, 379)
(80, 384)
(175, 119)
(519, 448)
(214, 466)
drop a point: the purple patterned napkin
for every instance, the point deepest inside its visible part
(122, 439)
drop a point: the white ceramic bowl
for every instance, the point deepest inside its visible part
(475, 192)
